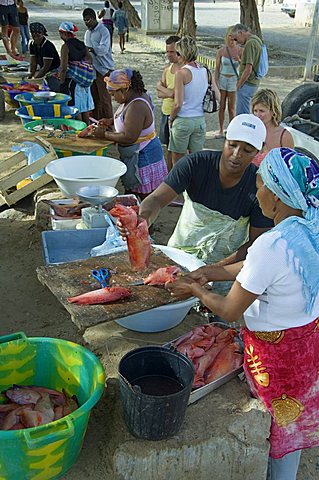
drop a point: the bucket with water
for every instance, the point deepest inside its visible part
(155, 384)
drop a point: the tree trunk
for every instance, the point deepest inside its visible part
(249, 16)
(133, 18)
(186, 18)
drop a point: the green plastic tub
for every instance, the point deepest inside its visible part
(48, 451)
(76, 125)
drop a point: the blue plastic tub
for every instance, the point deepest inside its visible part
(60, 246)
(43, 111)
(26, 98)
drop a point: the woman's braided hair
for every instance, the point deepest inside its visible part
(137, 83)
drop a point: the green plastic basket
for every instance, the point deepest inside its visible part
(76, 125)
(48, 451)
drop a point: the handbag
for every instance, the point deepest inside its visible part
(81, 72)
(210, 104)
(232, 63)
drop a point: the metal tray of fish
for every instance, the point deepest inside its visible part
(201, 392)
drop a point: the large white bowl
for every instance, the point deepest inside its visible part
(72, 173)
(168, 316)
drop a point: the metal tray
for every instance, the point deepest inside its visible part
(200, 392)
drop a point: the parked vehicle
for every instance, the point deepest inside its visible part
(300, 113)
(289, 7)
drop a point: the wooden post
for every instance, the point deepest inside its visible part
(312, 43)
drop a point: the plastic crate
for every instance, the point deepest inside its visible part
(27, 98)
(43, 111)
(76, 125)
(61, 246)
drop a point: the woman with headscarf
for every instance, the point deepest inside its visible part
(138, 145)
(75, 58)
(277, 290)
(43, 54)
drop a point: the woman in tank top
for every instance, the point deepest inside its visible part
(74, 50)
(226, 76)
(187, 120)
(135, 136)
(266, 106)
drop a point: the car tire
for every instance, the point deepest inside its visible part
(299, 100)
(292, 15)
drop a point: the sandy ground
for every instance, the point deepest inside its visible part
(28, 306)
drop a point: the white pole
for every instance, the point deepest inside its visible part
(312, 42)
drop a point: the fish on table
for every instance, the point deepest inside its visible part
(100, 296)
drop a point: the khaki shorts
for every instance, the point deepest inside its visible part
(187, 134)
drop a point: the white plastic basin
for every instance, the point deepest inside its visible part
(72, 173)
(168, 316)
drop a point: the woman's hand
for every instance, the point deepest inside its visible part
(105, 122)
(99, 132)
(180, 289)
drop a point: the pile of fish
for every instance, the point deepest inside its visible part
(23, 87)
(112, 294)
(213, 351)
(32, 406)
(138, 242)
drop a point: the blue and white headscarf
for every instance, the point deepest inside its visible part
(294, 178)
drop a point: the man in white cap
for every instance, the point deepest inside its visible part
(220, 218)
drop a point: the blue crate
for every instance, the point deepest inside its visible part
(61, 246)
(44, 111)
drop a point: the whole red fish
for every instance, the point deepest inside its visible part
(102, 295)
(162, 275)
(138, 242)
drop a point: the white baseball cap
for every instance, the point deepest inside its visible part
(247, 128)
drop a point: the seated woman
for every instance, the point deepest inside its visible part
(277, 290)
(43, 54)
(73, 50)
(138, 145)
(266, 106)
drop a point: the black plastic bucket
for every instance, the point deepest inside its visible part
(160, 414)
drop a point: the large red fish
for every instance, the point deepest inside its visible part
(162, 275)
(138, 242)
(102, 295)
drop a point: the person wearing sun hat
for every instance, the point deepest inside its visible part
(220, 218)
(276, 289)
(76, 72)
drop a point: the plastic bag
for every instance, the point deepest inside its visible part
(32, 151)
(113, 241)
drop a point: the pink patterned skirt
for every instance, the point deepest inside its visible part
(282, 369)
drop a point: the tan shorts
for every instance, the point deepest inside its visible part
(187, 134)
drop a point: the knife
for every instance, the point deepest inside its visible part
(137, 283)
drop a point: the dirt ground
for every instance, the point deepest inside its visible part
(28, 306)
